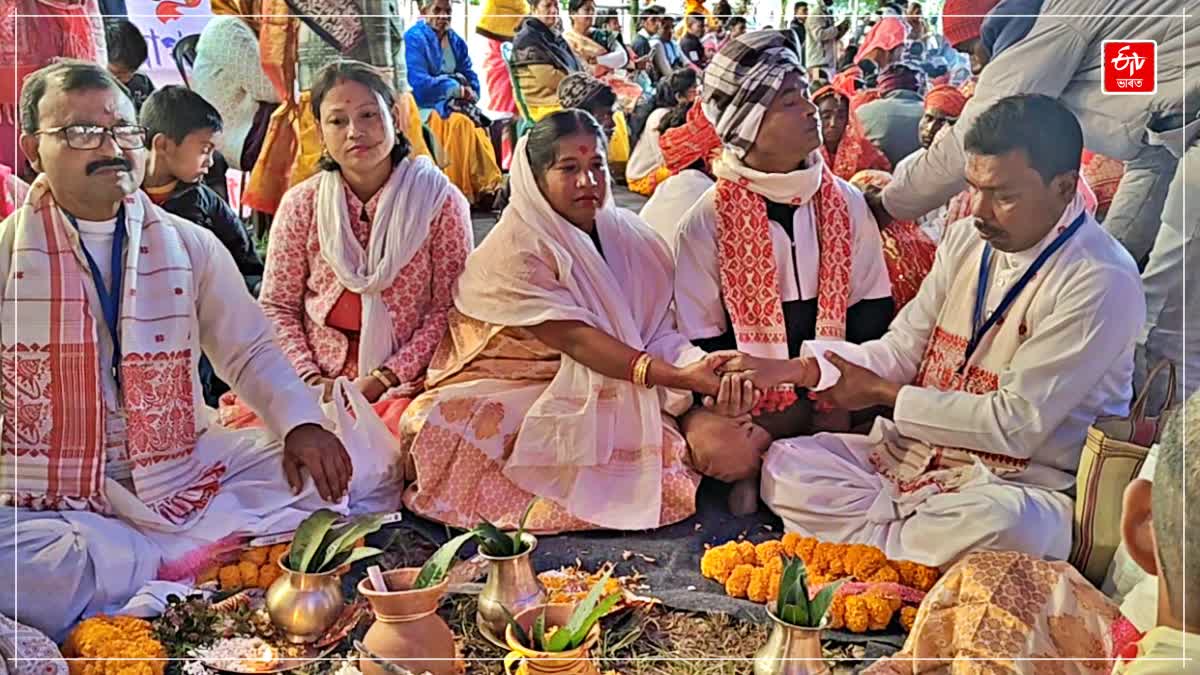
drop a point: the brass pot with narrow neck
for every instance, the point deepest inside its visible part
(303, 605)
(791, 650)
(512, 584)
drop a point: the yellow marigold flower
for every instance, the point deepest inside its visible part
(908, 616)
(857, 615)
(739, 581)
(789, 542)
(746, 553)
(775, 565)
(760, 579)
(767, 551)
(267, 574)
(104, 637)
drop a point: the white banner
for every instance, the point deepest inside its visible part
(163, 23)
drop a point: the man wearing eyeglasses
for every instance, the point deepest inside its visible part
(110, 471)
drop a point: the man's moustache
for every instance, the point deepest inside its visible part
(106, 163)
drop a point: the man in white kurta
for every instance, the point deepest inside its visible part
(982, 448)
(112, 475)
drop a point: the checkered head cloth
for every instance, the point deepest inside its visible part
(741, 81)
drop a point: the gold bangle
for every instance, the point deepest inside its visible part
(641, 370)
(378, 374)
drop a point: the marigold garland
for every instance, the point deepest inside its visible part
(256, 567)
(114, 637)
(753, 572)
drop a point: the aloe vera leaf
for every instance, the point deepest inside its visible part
(353, 556)
(582, 610)
(598, 613)
(435, 569)
(522, 636)
(492, 540)
(361, 527)
(308, 538)
(820, 604)
(539, 631)
(518, 538)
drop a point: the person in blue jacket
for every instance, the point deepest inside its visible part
(447, 92)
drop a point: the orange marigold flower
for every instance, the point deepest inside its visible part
(767, 551)
(837, 611)
(718, 562)
(908, 616)
(880, 610)
(747, 553)
(790, 541)
(757, 590)
(230, 578)
(257, 555)
(773, 585)
(249, 572)
(869, 561)
(739, 581)
(805, 548)
(884, 575)
(775, 565)
(858, 615)
(105, 637)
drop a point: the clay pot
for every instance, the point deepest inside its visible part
(304, 606)
(407, 630)
(511, 584)
(572, 662)
(791, 650)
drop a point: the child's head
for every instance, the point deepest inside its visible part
(126, 49)
(1156, 514)
(182, 130)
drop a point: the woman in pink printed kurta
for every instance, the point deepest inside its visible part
(319, 321)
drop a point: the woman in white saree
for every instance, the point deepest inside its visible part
(562, 370)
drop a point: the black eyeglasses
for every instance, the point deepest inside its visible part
(90, 136)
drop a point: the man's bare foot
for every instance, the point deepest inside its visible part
(743, 497)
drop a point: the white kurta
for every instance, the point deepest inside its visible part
(698, 298)
(1075, 365)
(672, 199)
(72, 564)
(647, 156)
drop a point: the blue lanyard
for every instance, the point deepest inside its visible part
(110, 297)
(980, 327)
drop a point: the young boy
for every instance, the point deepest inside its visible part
(182, 131)
(126, 53)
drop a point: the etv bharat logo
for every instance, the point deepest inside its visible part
(1130, 66)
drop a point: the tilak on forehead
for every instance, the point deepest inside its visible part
(742, 80)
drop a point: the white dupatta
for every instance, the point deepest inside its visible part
(536, 267)
(410, 199)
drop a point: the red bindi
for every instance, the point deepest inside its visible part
(583, 149)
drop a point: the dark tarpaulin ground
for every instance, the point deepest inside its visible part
(674, 576)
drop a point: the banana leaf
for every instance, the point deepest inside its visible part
(562, 639)
(435, 569)
(820, 604)
(347, 535)
(308, 539)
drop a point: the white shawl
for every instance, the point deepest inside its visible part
(413, 195)
(582, 418)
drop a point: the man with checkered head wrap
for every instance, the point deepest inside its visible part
(779, 251)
